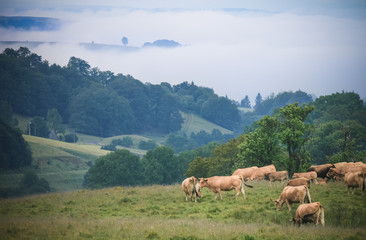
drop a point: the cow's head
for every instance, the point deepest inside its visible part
(279, 203)
(203, 182)
(197, 189)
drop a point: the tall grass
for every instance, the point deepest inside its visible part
(161, 212)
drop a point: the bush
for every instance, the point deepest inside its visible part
(147, 145)
(72, 137)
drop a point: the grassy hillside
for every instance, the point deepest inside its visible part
(161, 212)
(62, 164)
(194, 123)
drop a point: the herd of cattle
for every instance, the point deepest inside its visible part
(296, 191)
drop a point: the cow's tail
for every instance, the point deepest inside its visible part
(243, 183)
(321, 215)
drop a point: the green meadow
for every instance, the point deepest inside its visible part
(161, 212)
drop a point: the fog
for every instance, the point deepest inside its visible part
(256, 49)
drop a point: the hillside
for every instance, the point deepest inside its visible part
(161, 212)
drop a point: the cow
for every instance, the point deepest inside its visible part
(321, 170)
(217, 184)
(245, 173)
(339, 170)
(335, 174)
(260, 172)
(290, 194)
(299, 182)
(191, 187)
(309, 175)
(309, 212)
(277, 176)
(355, 179)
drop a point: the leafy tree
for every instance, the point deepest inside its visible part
(119, 168)
(14, 150)
(6, 113)
(261, 147)
(38, 127)
(295, 133)
(161, 166)
(54, 121)
(258, 100)
(147, 145)
(245, 103)
(31, 183)
(101, 112)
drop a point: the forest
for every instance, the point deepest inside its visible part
(291, 129)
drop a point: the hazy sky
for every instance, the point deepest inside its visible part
(237, 48)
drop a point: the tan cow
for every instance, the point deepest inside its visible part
(260, 172)
(280, 176)
(321, 170)
(224, 183)
(309, 175)
(290, 194)
(310, 212)
(355, 179)
(191, 187)
(245, 173)
(299, 182)
(335, 174)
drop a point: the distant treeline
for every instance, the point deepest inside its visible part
(103, 104)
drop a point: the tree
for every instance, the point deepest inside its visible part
(161, 166)
(38, 127)
(258, 100)
(245, 103)
(119, 168)
(261, 146)
(54, 121)
(295, 133)
(14, 150)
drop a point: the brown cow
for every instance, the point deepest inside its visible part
(355, 179)
(224, 183)
(245, 172)
(260, 172)
(308, 212)
(191, 187)
(321, 170)
(291, 195)
(335, 174)
(309, 175)
(299, 182)
(277, 176)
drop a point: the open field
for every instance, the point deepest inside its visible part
(194, 123)
(161, 212)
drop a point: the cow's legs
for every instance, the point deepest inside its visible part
(243, 191)
(288, 205)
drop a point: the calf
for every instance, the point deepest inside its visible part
(309, 175)
(355, 179)
(291, 194)
(224, 183)
(309, 212)
(299, 182)
(191, 187)
(277, 176)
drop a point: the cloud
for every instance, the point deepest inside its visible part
(235, 53)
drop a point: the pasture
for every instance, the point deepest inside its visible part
(161, 212)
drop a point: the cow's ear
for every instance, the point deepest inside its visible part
(205, 179)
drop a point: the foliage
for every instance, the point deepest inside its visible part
(38, 127)
(295, 133)
(71, 137)
(147, 145)
(125, 141)
(245, 102)
(117, 168)
(14, 150)
(54, 121)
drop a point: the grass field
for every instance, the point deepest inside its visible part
(161, 212)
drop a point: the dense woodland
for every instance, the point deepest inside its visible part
(291, 129)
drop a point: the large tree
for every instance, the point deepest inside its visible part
(295, 133)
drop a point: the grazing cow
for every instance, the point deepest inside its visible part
(224, 183)
(277, 176)
(339, 170)
(260, 172)
(309, 175)
(355, 179)
(291, 194)
(310, 212)
(191, 187)
(321, 170)
(245, 172)
(322, 181)
(335, 174)
(299, 182)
